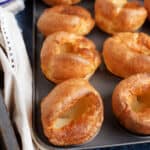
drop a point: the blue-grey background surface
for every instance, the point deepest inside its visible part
(25, 20)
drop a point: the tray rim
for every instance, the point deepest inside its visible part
(37, 139)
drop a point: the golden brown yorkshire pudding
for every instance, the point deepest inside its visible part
(60, 2)
(65, 55)
(73, 19)
(72, 113)
(127, 53)
(113, 16)
(131, 103)
(147, 6)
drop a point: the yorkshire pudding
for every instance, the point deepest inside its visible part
(65, 55)
(147, 6)
(73, 19)
(127, 53)
(131, 103)
(113, 16)
(60, 2)
(72, 113)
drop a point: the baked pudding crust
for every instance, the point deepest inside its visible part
(65, 55)
(127, 53)
(72, 113)
(73, 19)
(113, 16)
(131, 103)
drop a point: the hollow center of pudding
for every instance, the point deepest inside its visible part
(70, 47)
(141, 103)
(74, 112)
(66, 48)
(78, 49)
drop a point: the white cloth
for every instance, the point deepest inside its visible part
(14, 6)
(17, 77)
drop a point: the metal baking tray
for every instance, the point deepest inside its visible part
(111, 134)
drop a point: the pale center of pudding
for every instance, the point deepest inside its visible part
(141, 103)
(76, 111)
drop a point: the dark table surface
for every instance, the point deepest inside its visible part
(25, 20)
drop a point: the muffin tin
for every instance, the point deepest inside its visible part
(111, 134)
